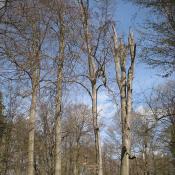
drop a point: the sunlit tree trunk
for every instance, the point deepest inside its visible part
(96, 131)
(59, 100)
(35, 87)
(93, 79)
(58, 122)
(124, 80)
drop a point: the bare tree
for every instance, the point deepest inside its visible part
(96, 69)
(22, 44)
(63, 21)
(60, 63)
(124, 80)
(161, 104)
(77, 127)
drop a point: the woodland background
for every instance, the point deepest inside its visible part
(60, 100)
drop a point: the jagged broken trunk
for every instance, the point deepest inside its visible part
(124, 78)
(125, 134)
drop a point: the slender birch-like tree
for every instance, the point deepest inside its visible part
(96, 70)
(60, 63)
(63, 16)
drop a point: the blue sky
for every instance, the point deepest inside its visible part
(127, 16)
(131, 16)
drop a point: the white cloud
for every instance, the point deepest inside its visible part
(140, 109)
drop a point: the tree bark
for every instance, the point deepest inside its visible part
(99, 170)
(93, 79)
(59, 101)
(125, 123)
(58, 123)
(124, 82)
(35, 86)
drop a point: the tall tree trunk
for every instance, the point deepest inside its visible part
(35, 86)
(93, 71)
(58, 122)
(125, 86)
(93, 79)
(35, 78)
(125, 137)
(59, 101)
(125, 123)
(99, 170)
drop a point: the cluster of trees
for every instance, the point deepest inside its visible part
(49, 49)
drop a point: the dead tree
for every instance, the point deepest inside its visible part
(124, 80)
